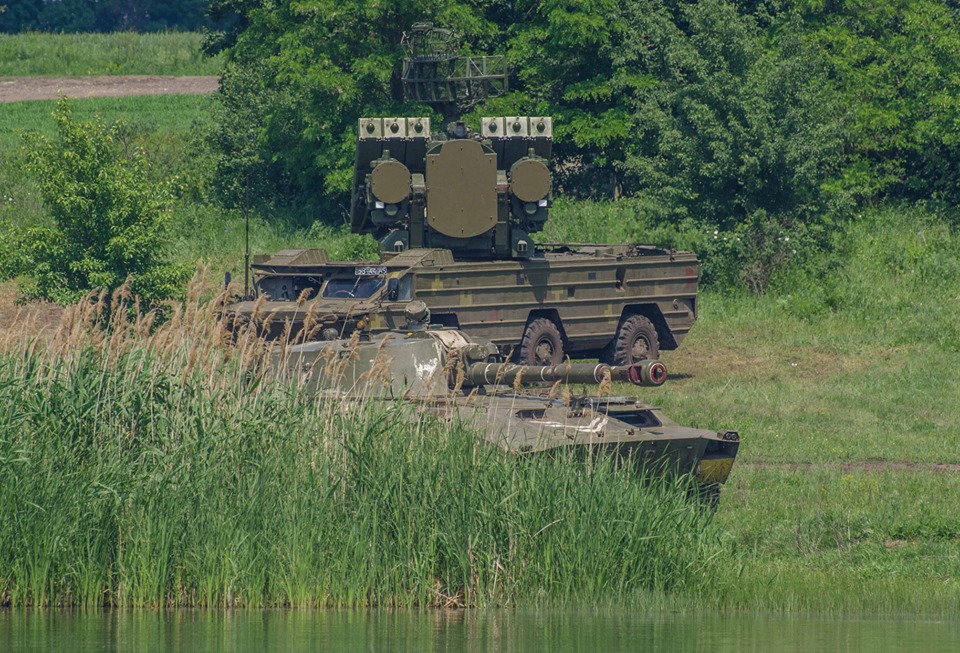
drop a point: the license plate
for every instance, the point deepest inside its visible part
(370, 270)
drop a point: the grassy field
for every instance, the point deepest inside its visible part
(843, 497)
(163, 114)
(843, 386)
(170, 128)
(152, 468)
(123, 53)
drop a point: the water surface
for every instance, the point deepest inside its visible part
(556, 631)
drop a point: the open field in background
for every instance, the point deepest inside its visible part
(169, 128)
(843, 496)
(122, 53)
(164, 125)
(163, 115)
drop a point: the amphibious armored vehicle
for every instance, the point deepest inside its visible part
(454, 211)
(456, 376)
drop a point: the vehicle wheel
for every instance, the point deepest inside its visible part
(541, 344)
(636, 340)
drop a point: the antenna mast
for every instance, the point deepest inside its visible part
(246, 248)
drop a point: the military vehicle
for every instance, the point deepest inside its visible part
(453, 211)
(453, 375)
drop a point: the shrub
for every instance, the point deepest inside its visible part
(110, 223)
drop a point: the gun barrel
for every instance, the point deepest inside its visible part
(648, 373)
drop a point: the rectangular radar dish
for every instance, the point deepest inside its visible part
(394, 127)
(524, 127)
(541, 127)
(370, 128)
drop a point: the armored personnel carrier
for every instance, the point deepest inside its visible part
(453, 375)
(453, 211)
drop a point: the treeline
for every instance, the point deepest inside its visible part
(101, 15)
(760, 117)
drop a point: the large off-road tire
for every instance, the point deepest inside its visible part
(636, 340)
(541, 344)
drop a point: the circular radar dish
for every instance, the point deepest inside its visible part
(390, 182)
(530, 180)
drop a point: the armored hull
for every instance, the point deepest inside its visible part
(453, 376)
(575, 300)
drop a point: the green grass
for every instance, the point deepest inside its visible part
(162, 114)
(842, 385)
(829, 539)
(120, 53)
(152, 469)
(847, 399)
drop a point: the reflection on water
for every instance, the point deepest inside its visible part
(556, 631)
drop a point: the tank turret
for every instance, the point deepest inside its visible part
(433, 362)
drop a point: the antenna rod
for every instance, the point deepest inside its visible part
(246, 249)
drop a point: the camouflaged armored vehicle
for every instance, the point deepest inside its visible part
(446, 372)
(453, 211)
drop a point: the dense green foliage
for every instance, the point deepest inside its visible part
(893, 67)
(101, 15)
(109, 221)
(300, 75)
(760, 120)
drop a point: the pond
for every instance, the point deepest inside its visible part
(556, 631)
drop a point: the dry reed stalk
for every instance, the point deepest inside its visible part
(605, 386)
(553, 391)
(257, 308)
(309, 321)
(518, 382)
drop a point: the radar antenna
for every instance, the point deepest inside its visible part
(435, 73)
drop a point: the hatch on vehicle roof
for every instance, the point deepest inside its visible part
(287, 257)
(425, 257)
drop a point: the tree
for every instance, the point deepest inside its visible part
(301, 74)
(568, 60)
(896, 68)
(109, 222)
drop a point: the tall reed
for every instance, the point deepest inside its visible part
(146, 465)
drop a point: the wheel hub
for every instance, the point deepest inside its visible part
(640, 349)
(544, 352)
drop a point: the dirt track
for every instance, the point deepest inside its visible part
(18, 89)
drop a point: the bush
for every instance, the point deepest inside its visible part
(110, 222)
